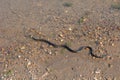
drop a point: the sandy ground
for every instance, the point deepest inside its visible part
(95, 23)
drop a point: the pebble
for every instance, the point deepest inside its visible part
(44, 75)
(110, 65)
(101, 43)
(85, 19)
(97, 71)
(81, 75)
(19, 56)
(49, 52)
(95, 78)
(66, 11)
(48, 69)
(108, 78)
(61, 40)
(2, 77)
(114, 78)
(61, 35)
(2, 49)
(113, 44)
(70, 29)
(23, 47)
(109, 58)
(29, 63)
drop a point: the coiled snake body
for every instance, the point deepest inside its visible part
(68, 48)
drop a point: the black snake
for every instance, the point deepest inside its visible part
(68, 48)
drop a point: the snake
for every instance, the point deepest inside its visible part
(67, 47)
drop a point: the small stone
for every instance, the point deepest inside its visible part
(110, 65)
(101, 43)
(61, 35)
(45, 50)
(83, 78)
(70, 29)
(56, 52)
(85, 19)
(2, 49)
(98, 28)
(108, 78)
(29, 63)
(48, 69)
(19, 56)
(97, 71)
(100, 38)
(61, 40)
(66, 11)
(93, 57)
(2, 77)
(95, 78)
(11, 79)
(81, 75)
(50, 52)
(113, 44)
(23, 47)
(101, 51)
(109, 57)
(114, 78)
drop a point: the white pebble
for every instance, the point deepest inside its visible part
(70, 29)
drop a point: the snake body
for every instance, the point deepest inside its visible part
(68, 48)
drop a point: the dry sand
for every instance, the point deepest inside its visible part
(95, 23)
